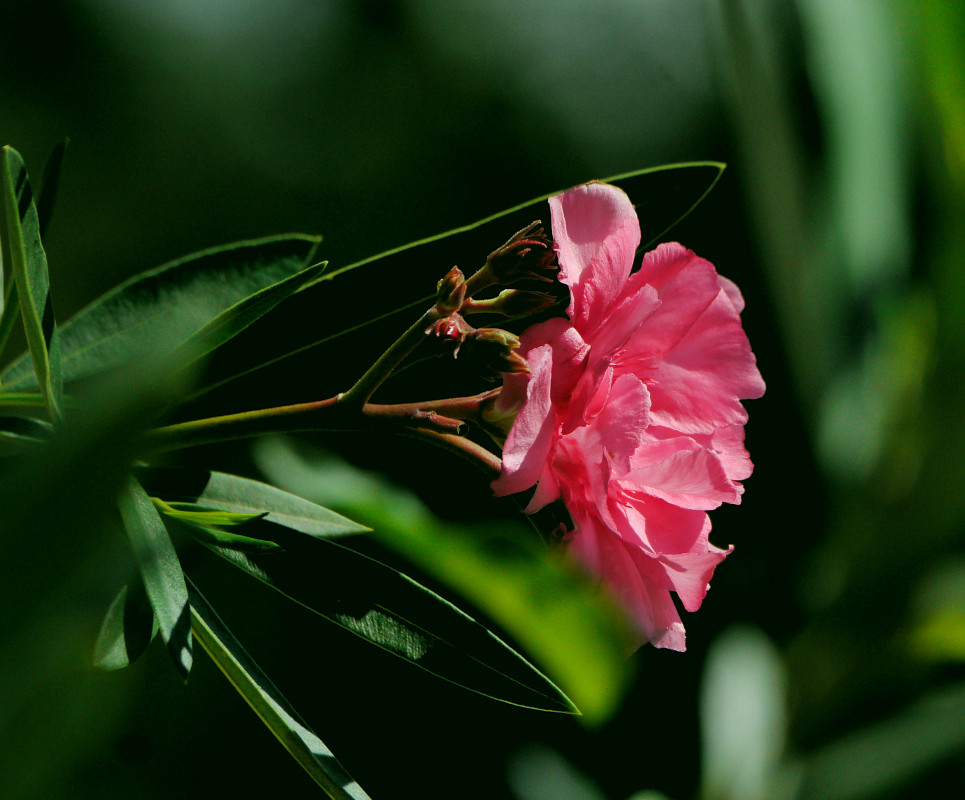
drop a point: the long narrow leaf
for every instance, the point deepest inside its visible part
(391, 610)
(29, 264)
(547, 605)
(217, 538)
(269, 703)
(232, 321)
(128, 628)
(15, 432)
(169, 303)
(662, 195)
(160, 570)
(246, 496)
(49, 183)
(9, 300)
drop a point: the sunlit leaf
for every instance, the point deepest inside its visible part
(29, 264)
(174, 302)
(218, 538)
(269, 703)
(400, 615)
(204, 515)
(236, 494)
(127, 629)
(160, 570)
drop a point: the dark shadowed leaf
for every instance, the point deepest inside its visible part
(548, 606)
(160, 570)
(128, 628)
(29, 265)
(173, 303)
(18, 431)
(49, 183)
(269, 703)
(395, 612)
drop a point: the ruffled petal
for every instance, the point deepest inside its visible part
(685, 285)
(534, 431)
(697, 386)
(596, 234)
(637, 582)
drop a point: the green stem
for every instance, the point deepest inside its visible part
(359, 394)
(438, 421)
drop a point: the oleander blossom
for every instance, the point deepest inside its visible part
(631, 409)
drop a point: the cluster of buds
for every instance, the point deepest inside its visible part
(490, 351)
(528, 255)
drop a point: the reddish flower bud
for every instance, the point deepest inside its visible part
(451, 291)
(492, 352)
(452, 330)
(527, 255)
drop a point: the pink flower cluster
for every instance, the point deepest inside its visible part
(631, 410)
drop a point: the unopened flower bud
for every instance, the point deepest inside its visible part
(527, 255)
(451, 291)
(451, 330)
(492, 352)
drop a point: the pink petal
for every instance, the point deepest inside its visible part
(639, 584)
(690, 574)
(679, 471)
(596, 233)
(533, 433)
(685, 284)
(655, 525)
(698, 385)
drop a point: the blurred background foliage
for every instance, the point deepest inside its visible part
(827, 662)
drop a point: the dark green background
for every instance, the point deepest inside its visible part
(377, 123)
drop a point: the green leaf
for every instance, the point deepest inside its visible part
(545, 603)
(22, 399)
(15, 432)
(233, 493)
(400, 615)
(662, 195)
(29, 264)
(59, 496)
(49, 184)
(127, 630)
(171, 303)
(160, 570)
(743, 680)
(9, 300)
(232, 321)
(269, 703)
(204, 515)
(217, 538)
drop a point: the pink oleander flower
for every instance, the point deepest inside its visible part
(631, 409)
